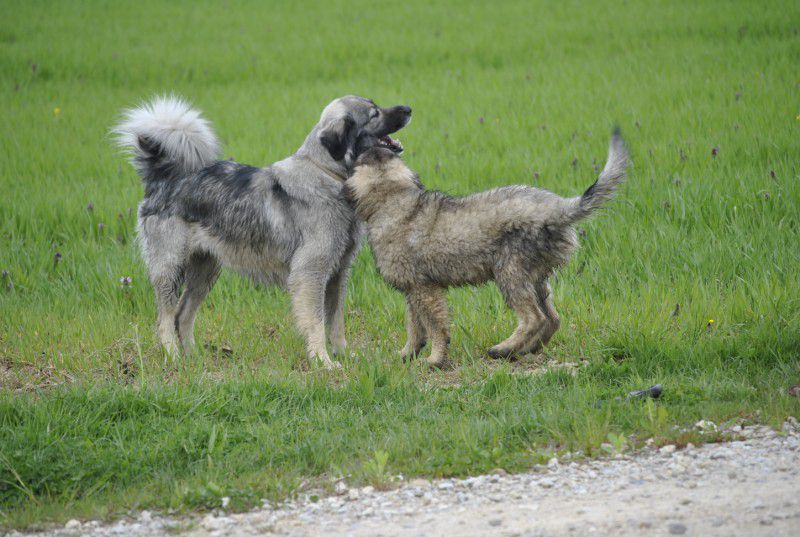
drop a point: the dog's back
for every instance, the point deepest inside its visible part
(426, 236)
(430, 237)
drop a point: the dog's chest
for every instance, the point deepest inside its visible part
(395, 249)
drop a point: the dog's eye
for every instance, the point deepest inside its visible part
(375, 113)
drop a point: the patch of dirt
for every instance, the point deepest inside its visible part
(27, 377)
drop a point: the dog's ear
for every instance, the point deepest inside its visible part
(336, 136)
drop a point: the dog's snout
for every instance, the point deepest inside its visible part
(405, 110)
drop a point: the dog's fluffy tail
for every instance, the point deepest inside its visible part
(167, 139)
(603, 189)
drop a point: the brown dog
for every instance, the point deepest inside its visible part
(426, 241)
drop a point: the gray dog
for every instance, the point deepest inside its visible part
(426, 241)
(289, 223)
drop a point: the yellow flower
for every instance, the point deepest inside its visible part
(56, 111)
(711, 321)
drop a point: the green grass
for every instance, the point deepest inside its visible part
(94, 421)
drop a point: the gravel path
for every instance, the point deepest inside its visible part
(745, 487)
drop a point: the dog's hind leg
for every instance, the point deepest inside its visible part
(307, 281)
(430, 306)
(415, 333)
(202, 272)
(521, 295)
(162, 243)
(167, 288)
(545, 295)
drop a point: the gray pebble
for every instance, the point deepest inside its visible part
(677, 528)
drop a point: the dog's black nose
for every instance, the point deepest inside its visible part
(406, 110)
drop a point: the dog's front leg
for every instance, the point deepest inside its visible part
(336, 292)
(415, 332)
(307, 281)
(431, 306)
(334, 310)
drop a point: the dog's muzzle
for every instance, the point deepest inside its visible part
(400, 117)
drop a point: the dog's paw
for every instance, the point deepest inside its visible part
(497, 353)
(324, 361)
(407, 354)
(409, 351)
(329, 365)
(438, 362)
(339, 347)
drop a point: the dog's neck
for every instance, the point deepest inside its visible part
(371, 201)
(319, 157)
(334, 174)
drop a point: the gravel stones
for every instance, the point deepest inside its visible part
(669, 449)
(660, 491)
(677, 528)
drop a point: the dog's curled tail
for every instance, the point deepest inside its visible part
(603, 189)
(167, 139)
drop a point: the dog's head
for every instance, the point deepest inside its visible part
(351, 125)
(380, 170)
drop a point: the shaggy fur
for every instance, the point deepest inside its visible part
(288, 223)
(426, 241)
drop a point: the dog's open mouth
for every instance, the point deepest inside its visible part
(390, 143)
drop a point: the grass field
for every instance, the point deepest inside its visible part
(95, 422)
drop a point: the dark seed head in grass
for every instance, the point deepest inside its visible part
(56, 258)
(772, 174)
(90, 206)
(6, 278)
(714, 151)
(481, 120)
(101, 227)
